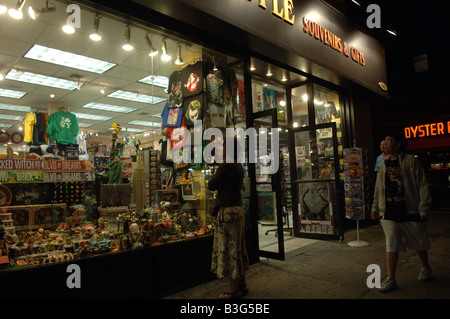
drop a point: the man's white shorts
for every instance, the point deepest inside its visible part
(402, 235)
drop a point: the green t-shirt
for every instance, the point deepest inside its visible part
(63, 128)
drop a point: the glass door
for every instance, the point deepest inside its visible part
(317, 175)
(268, 184)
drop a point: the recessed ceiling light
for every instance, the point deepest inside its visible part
(157, 80)
(107, 107)
(40, 79)
(84, 124)
(92, 117)
(11, 117)
(393, 32)
(11, 107)
(131, 96)
(12, 93)
(71, 60)
(144, 123)
(129, 129)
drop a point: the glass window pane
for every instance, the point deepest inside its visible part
(300, 106)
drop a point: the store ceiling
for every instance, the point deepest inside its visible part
(17, 37)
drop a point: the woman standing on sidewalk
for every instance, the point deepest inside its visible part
(402, 199)
(230, 257)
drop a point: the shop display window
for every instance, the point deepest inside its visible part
(102, 134)
(327, 109)
(300, 107)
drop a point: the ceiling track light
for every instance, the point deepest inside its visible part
(3, 8)
(35, 13)
(179, 60)
(152, 51)
(17, 13)
(68, 28)
(95, 36)
(164, 56)
(214, 61)
(127, 45)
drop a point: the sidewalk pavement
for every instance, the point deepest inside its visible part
(327, 269)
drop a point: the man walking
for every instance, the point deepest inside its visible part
(402, 199)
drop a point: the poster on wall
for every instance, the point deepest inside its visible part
(315, 207)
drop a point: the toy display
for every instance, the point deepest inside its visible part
(75, 237)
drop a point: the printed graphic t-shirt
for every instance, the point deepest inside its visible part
(395, 193)
(192, 79)
(63, 127)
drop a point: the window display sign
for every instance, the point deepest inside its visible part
(40, 171)
(21, 176)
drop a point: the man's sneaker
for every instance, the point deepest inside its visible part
(425, 273)
(389, 284)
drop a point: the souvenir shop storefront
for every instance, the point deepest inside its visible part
(112, 183)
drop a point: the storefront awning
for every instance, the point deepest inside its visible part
(428, 143)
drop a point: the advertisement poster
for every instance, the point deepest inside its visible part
(315, 207)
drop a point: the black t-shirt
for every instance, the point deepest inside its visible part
(395, 194)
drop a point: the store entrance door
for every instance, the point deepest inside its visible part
(268, 185)
(317, 182)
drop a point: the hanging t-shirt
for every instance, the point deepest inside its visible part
(63, 127)
(171, 116)
(193, 109)
(214, 86)
(28, 123)
(257, 94)
(178, 137)
(39, 129)
(269, 97)
(192, 79)
(174, 89)
(217, 114)
(241, 97)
